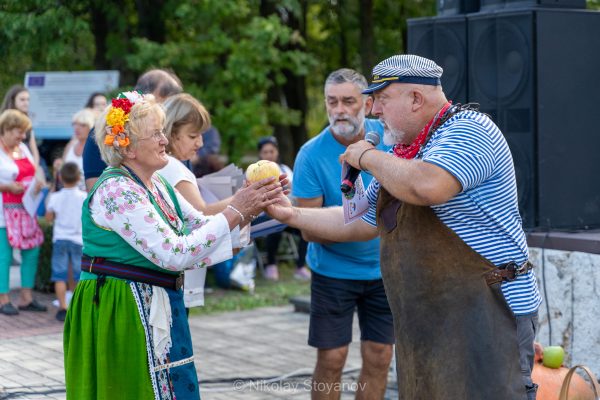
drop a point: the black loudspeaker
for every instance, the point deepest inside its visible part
(455, 7)
(536, 80)
(443, 40)
(490, 5)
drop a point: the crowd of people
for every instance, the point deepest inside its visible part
(187, 126)
(437, 266)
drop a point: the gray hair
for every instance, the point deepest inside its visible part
(134, 128)
(347, 75)
(161, 82)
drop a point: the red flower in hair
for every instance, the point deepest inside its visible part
(123, 104)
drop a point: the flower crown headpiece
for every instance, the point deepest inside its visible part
(117, 117)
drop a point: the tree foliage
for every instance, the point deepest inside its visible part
(37, 36)
(258, 65)
(229, 56)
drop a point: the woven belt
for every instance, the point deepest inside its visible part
(102, 266)
(507, 272)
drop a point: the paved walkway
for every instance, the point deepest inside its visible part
(236, 354)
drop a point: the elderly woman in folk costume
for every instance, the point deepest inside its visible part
(126, 334)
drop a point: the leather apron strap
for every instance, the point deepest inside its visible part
(455, 335)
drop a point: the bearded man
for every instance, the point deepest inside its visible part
(454, 256)
(346, 276)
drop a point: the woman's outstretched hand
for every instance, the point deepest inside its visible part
(254, 198)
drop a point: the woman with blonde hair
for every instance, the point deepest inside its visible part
(126, 334)
(18, 229)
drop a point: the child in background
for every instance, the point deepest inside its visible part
(64, 209)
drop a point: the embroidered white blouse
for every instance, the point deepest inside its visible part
(123, 206)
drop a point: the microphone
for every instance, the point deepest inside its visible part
(352, 173)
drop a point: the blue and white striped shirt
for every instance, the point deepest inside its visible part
(485, 213)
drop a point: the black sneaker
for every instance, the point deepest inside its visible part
(61, 314)
(8, 309)
(34, 306)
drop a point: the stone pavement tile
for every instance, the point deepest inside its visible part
(28, 323)
(247, 345)
(271, 342)
(32, 371)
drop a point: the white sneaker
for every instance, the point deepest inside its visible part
(68, 297)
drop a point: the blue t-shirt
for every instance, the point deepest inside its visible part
(317, 172)
(92, 161)
(485, 214)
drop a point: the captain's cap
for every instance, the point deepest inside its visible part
(405, 68)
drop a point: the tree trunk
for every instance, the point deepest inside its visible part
(292, 94)
(343, 29)
(99, 27)
(367, 56)
(404, 15)
(151, 19)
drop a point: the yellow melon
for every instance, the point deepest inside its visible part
(262, 169)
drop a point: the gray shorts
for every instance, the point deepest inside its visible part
(527, 326)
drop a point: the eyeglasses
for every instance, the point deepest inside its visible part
(157, 136)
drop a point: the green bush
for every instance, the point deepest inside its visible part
(42, 278)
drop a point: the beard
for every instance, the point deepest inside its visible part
(392, 137)
(347, 126)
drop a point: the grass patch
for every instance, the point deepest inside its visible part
(266, 294)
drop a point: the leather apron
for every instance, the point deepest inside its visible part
(456, 338)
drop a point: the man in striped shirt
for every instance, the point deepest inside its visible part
(453, 251)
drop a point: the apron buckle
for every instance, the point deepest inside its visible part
(524, 268)
(507, 272)
(511, 269)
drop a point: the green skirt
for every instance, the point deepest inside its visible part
(107, 346)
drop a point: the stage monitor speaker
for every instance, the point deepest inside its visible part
(535, 79)
(490, 5)
(455, 7)
(443, 40)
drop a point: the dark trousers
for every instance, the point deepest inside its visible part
(272, 245)
(527, 326)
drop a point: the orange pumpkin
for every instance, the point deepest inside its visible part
(550, 380)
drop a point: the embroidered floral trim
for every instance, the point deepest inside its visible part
(142, 293)
(119, 194)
